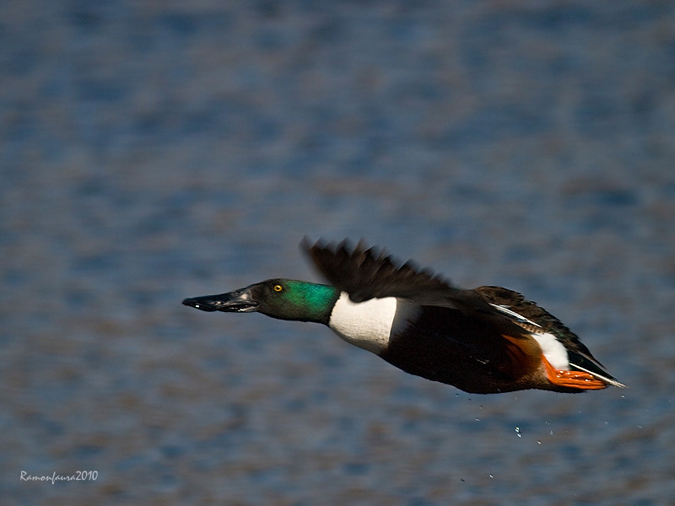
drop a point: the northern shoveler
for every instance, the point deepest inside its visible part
(485, 340)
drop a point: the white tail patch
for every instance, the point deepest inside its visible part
(554, 351)
(364, 324)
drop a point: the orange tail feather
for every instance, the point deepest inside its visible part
(572, 379)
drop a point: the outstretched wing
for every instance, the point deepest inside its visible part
(367, 273)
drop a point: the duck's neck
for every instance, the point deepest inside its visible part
(309, 302)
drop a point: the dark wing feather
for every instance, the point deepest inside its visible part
(366, 273)
(530, 310)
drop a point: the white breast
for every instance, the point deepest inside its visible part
(364, 324)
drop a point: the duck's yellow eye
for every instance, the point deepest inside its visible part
(278, 288)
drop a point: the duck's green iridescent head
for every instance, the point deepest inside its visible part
(285, 299)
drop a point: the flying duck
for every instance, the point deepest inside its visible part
(486, 340)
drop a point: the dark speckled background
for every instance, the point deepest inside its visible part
(151, 151)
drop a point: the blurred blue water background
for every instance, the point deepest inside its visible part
(152, 151)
